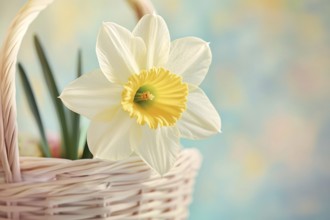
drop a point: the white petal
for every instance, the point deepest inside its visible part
(200, 120)
(120, 54)
(190, 57)
(159, 148)
(108, 140)
(153, 30)
(91, 94)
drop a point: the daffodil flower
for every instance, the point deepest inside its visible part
(145, 95)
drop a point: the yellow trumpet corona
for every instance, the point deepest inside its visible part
(155, 97)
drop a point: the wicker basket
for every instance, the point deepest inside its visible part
(49, 188)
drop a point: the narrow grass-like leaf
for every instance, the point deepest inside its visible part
(86, 153)
(75, 118)
(52, 87)
(34, 109)
(79, 64)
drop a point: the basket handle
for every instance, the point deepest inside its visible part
(9, 155)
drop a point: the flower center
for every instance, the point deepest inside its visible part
(155, 97)
(143, 96)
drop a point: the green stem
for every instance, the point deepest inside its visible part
(86, 153)
(75, 118)
(50, 81)
(34, 109)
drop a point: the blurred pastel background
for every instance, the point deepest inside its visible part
(270, 81)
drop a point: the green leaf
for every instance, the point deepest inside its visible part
(34, 109)
(53, 90)
(75, 118)
(86, 153)
(79, 64)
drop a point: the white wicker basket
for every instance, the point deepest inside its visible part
(57, 189)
